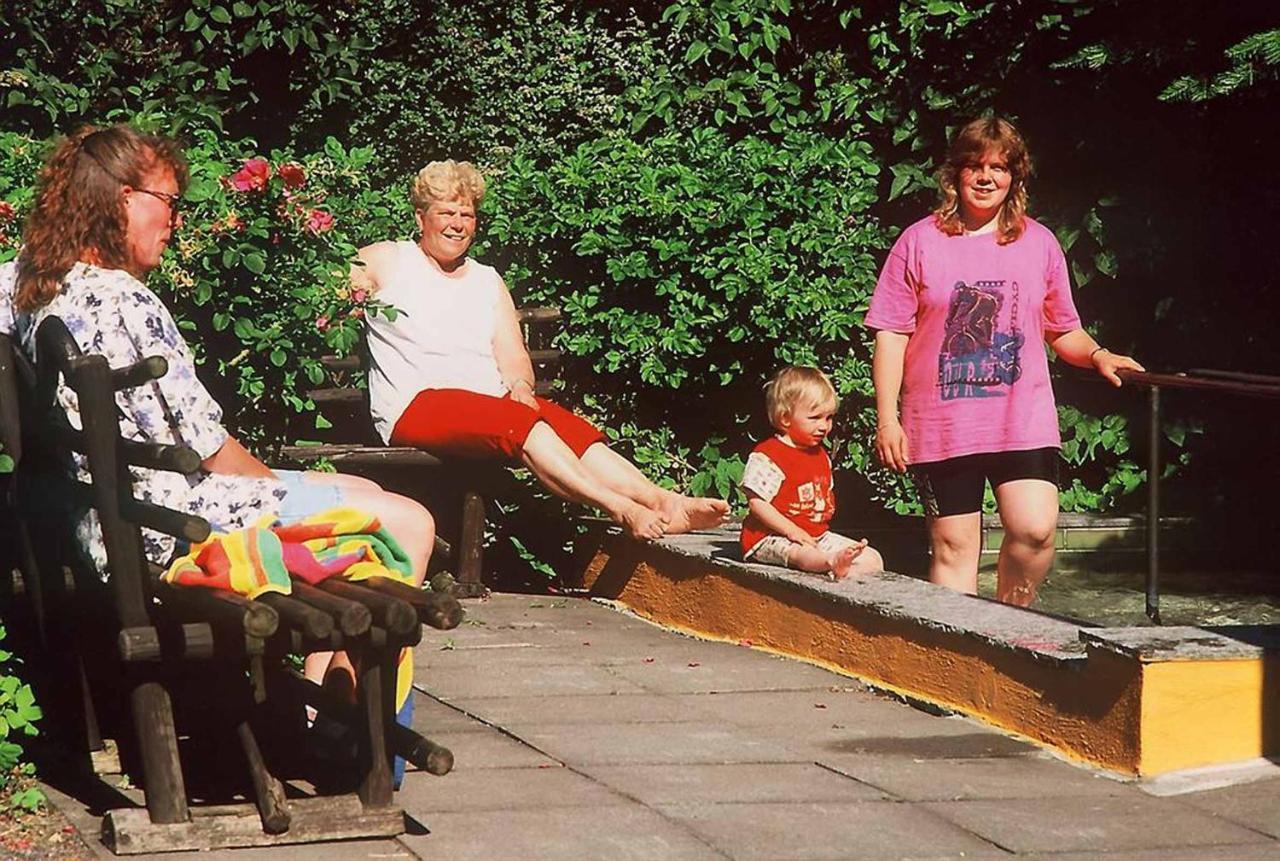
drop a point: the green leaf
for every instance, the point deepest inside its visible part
(255, 262)
(220, 14)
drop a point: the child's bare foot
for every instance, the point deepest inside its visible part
(841, 563)
(842, 560)
(687, 513)
(643, 523)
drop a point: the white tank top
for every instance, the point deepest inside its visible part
(441, 338)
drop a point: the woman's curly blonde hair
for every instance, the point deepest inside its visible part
(447, 180)
(968, 147)
(79, 207)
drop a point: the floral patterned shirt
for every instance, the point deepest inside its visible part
(112, 313)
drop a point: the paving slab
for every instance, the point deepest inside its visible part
(1093, 824)
(621, 833)
(471, 790)
(839, 832)
(1253, 805)
(925, 779)
(494, 679)
(432, 717)
(849, 710)
(732, 670)
(492, 749)
(1229, 852)
(580, 709)
(642, 743)
(690, 783)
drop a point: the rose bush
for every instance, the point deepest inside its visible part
(258, 275)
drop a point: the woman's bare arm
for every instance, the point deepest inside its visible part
(510, 353)
(235, 459)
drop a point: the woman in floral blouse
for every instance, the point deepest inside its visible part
(106, 208)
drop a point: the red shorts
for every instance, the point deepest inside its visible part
(458, 423)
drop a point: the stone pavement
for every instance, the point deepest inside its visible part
(582, 733)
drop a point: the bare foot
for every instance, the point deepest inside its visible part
(643, 523)
(687, 513)
(842, 560)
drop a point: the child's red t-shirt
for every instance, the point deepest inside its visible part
(796, 481)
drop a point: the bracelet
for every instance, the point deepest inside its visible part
(1097, 350)
(521, 380)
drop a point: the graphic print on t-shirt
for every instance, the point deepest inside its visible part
(977, 359)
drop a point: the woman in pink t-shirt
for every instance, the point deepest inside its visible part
(963, 304)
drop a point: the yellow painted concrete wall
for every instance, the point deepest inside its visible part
(1197, 713)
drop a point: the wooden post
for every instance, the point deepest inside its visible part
(471, 547)
(268, 791)
(377, 690)
(158, 742)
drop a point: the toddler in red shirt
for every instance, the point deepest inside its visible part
(789, 487)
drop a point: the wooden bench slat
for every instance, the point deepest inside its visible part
(538, 314)
(360, 454)
(349, 396)
(348, 364)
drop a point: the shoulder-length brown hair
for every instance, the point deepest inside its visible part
(968, 147)
(79, 207)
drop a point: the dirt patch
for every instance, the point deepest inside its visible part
(42, 835)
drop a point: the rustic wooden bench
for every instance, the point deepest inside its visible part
(352, 445)
(177, 672)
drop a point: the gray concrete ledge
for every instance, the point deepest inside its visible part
(1186, 643)
(897, 596)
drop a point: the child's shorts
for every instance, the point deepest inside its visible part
(773, 549)
(458, 423)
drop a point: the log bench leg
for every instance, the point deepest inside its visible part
(377, 691)
(269, 792)
(158, 742)
(471, 548)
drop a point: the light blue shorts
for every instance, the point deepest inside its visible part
(304, 498)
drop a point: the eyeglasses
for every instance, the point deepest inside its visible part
(174, 202)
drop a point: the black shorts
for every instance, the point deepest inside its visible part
(955, 485)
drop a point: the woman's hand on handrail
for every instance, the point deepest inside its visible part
(1108, 363)
(1077, 347)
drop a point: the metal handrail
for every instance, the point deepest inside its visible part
(1198, 379)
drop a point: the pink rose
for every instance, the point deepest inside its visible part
(322, 322)
(319, 221)
(252, 176)
(292, 175)
(359, 295)
(357, 313)
(7, 212)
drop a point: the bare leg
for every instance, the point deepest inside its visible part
(1029, 514)
(684, 512)
(803, 557)
(414, 530)
(956, 542)
(556, 466)
(342, 480)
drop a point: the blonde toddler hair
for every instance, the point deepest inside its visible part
(793, 387)
(447, 180)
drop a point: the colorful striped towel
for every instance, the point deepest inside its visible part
(340, 542)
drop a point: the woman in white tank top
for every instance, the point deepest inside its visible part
(451, 373)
